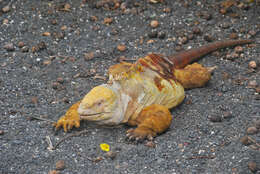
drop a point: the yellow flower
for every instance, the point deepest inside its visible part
(104, 147)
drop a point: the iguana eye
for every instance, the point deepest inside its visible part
(99, 103)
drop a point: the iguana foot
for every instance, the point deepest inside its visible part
(193, 76)
(70, 119)
(140, 134)
(152, 120)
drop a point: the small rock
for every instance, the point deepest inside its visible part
(58, 35)
(46, 62)
(180, 146)
(257, 124)
(225, 25)
(206, 15)
(42, 45)
(167, 10)
(60, 165)
(21, 44)
(232, 56)
(63, 28)
(161, 35)
(5, 21)
(54, 172)
(111, 155)
(152, 34)
(252, 84)
(65, 7)
(154, 1)
(150, 144)
(233, 36)
(251, 130)
(89, 56)
(9, 47)
(178, 48)
(46, 34)
(108, 21)
(93, 18)
(227, 115)
(97, 159)
(72, 59)
(215, 118)
(114, 31)
(66, 100)
(123, 6)
(252, 32)
(196, 31)
(60, 80)
(190, 36)
(245, 141)
(121, 47)
(257, 89)
(55, 85)
(253, 146)
(2, 132)
(25, 49)
(154, 23)
(257, 97)
(150, 41)
(238, 49)
(252, 166)
(54, 22)
(208, 38)
(223, 11)
(184, 40)
(35, 49)
(34, 100)
(252, 64)
(6, 9)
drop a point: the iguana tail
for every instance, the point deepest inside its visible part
(180, 60)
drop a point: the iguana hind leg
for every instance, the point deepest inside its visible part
(70, 119)
(152, 120)
(193, 76)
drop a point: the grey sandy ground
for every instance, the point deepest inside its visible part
(72, 56)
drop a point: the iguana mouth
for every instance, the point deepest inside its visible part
(86, 115)
(94, 115)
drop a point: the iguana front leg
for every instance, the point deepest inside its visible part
(152, 120)
(70, 119)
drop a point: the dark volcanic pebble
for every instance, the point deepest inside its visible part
(9, 47)
(161, 34)
(215, 118)
(153, 34)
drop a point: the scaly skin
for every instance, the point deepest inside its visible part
(142, 93)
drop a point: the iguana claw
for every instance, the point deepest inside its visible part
(67, 124)
(70, 119)
(140, 134)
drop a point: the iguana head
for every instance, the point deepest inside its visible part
(100, 104)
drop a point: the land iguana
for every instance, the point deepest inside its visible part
(141, 94)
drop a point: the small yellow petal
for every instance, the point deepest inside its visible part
(104, 147)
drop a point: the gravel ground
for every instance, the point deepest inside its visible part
(54, 52)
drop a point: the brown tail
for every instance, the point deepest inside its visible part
(184, 58)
